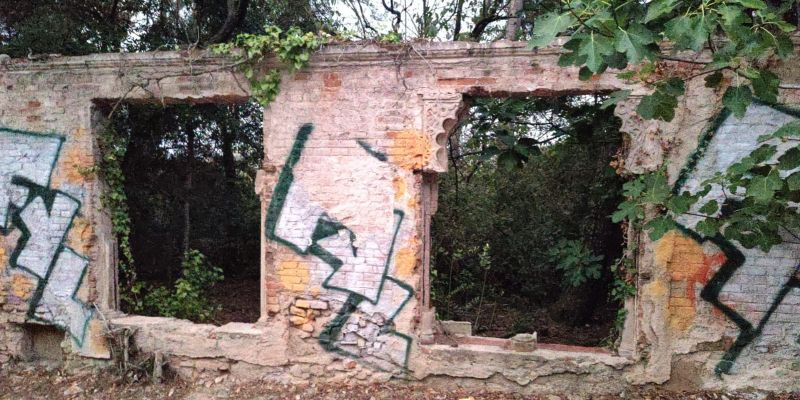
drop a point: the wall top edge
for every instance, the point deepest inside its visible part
(329, 55)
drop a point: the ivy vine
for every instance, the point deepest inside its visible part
(292, 48)
(113, 147)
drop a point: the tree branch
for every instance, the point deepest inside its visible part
(235, 18)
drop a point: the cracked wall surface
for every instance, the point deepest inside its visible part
(351, 144)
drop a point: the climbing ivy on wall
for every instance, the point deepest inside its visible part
(293, 48)
(112, 149)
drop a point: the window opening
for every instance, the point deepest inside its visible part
(522, 241)
(195, 217)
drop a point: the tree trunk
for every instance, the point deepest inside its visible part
(459, 16)
(797, 13)
(229, 167)
(187, 207)
(228, 162)
(514, 10)
(234, 19)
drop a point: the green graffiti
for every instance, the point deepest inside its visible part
(371, 151)
(734, 259)
(326, 227)
(60, 273)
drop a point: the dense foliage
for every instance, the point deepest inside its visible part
(523, 214)
(188, 297)
(203, 158)
(743, 37)
(75, 27)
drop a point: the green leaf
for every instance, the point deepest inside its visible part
(658, 105)
(687, 32)
(585, 73)
(626, 210)
(724, 57)
(763, 188)
(732, 15)
(615, 98)
(616, 60)
(659, 8)
(708, 227)
(508, 161)
(634, 188)
(633, 42)
(763, 153)
(672, 86)
(489, 152)
(569, 59)
(765, 86)
(713, 80)
(595, 46)
(793, 181)
(754, 4)
(789, 160)
(681, 203)
(790, 129)
(546, 28)
(709, 208)
(736, 99)
(783, 45)
(659, 226)
(657, 188)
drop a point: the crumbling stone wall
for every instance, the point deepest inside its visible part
(352, 148)
(731, 310)
(56, 248)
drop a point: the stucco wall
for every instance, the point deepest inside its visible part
(352, 147)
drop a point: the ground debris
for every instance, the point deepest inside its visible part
(37, 383)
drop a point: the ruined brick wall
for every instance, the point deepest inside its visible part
(348, 143)
(711, 306)
(56, 250)
(352, 148)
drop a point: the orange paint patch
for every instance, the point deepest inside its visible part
(22, 286)
(80, 235)
(405, 261)
(294, 275)
(74, 161)
(399, 185)
(95, 342)
(410, 149)
(411, 203)
(655, 289)
(3, 259)
(689, 268)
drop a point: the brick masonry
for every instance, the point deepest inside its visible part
(352, 146)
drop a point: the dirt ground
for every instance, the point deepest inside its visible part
(239, 299)
(51, 383)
